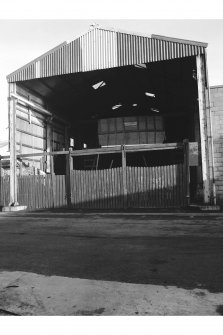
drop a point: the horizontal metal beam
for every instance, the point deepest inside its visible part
(107, 150)
(39, 109)
(128, 148)
(31, 104)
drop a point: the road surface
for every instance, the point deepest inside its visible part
(76, 263)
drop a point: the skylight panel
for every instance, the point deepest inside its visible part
(116, 106)
(152, 95)
(98, 85)
(155, 110)
(141, 66)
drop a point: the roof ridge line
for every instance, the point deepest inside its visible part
(123, 31)
(80, 35)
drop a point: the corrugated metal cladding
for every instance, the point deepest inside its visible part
(101, 49)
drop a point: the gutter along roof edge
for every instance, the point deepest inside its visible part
(179, 40)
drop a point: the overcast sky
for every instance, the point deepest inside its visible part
(24, 40)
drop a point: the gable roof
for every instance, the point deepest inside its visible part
(102, 48)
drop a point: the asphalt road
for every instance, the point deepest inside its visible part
(184, 251)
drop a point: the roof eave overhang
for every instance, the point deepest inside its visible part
(178, 40)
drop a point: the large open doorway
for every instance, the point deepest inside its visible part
(145, 104)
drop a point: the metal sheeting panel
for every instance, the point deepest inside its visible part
(24, 74)
(74, 57)
(54, 63)
(102, 49)
(95, 50)
(50, 64)
(135, 50)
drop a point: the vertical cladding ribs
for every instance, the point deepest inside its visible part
(103, 48)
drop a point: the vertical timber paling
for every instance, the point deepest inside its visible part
(203, 126)
(124, 176)
(186, 188)
(69, 168)
(53, 182)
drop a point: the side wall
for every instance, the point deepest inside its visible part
(217, 125)
(36, 132)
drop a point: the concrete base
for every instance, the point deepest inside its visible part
(13, 208)
(210, 208)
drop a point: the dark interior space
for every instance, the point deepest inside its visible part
(144, 159)
(142, 104)
(167, 88)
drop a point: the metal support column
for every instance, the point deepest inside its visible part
(203, 127)
(12, 131)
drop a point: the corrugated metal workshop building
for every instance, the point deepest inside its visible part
(113, 119)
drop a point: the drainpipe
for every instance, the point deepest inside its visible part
(210, 137)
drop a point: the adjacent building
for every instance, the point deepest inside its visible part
(217, 126)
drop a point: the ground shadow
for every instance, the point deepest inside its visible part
(219, 309)
(59, 247)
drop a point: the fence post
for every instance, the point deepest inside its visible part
(68, 177)
(52, 177)
(124, 175)
(187, 170)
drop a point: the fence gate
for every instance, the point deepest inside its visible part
(156, 187)
(145, 187)
(163, 186)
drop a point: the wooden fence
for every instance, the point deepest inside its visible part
(36, 192)
(97, 189)
(146, 187)
(121, 187)
(156, 187)
(4, 191)
(42, 191)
